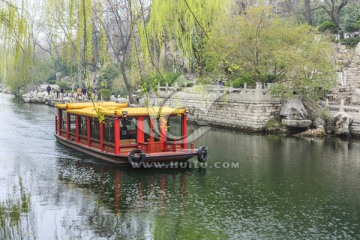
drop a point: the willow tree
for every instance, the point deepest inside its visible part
(16, 44)
(80, 38)
(180, 26)
(266, 47)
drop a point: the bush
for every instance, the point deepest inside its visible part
(327, 26)
(273, 124)
(246, 77)
(148, 82)
(51, 81)
(104, 94)
(357, 25)
(350, 42)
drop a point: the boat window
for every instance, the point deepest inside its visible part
(128, 130)
(174, 129)
(72, 123)
(95, 128)
(109, 130)
(63, 120)
(82, 126)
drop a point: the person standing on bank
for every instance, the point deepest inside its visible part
(48, 89)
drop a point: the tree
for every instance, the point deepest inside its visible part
(16, 39)
(264, 44)
(181, 27)
(120, 20)
(334, 9)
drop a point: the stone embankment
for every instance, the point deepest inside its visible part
(252, 110)
(246, 109)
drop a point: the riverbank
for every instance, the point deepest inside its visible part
(249, 110)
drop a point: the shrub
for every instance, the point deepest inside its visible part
(273, 124)
(104, 94)
(357, 25)
(327, 26)
(51, 81)
(350, 42)
(148, 82)
(246, 77)
(238, 81)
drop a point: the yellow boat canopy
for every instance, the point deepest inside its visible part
(150, 111)
(112, 109)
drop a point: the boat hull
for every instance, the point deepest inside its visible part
(122, 158)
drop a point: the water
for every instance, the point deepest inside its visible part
(278, 188)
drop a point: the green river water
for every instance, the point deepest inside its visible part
(253, 187)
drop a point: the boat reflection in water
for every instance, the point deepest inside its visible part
(130, 202)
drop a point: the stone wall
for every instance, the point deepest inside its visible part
(355, 128)
(225, 112)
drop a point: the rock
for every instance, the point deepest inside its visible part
(319, 122)
(318, 132)
(357, 49)
(293, 110)
(342, 121)
(40, 94)
(36, 100)
(112, 98)
(355, 98)
(296, 123)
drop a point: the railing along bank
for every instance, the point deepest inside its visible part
(213, 92)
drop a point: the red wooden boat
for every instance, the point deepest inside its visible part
(121, 134)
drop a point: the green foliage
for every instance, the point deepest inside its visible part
(172, 23)
(357, 25)
(350, 17)
(63, 85)
(108, 73)
(118, 87)
(104, 94)
(238, 82)
(350, 42)
(324, 114)
(150, 82)
(239, 79)
(328, 26)
(16, 45)
(271, 49)
(273, 124)
(66, 68)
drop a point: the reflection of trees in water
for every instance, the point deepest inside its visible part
(11, 210)
(135, 198)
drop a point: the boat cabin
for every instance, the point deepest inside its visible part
(113, 129)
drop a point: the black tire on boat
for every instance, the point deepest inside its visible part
(136, 157)
(202, 154)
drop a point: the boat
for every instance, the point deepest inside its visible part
(120, 134)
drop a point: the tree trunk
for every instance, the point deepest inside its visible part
(308, 12)
(127, 83)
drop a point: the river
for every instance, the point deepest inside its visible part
(253, 187)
